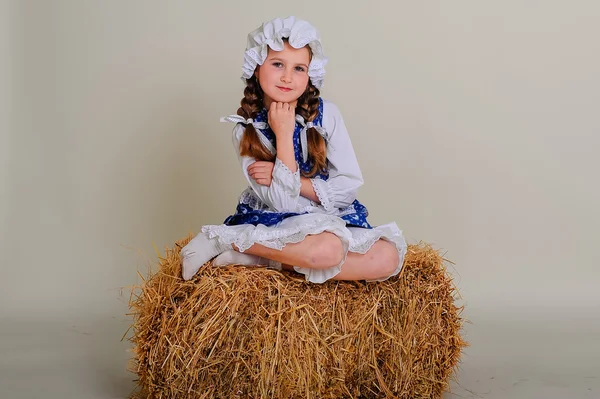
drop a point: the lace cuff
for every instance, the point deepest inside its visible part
(320, 187)
(286, 179)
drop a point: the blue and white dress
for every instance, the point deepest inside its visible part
(277, 215)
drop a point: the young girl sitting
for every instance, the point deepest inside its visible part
(300, 210)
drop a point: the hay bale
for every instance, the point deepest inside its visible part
(242, 332)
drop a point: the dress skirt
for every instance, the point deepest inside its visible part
(295, 229)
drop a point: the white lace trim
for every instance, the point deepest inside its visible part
(288, 180)
(246, 235)
(248, 197)
(362, 242)
(325, 197)
(346, 211)
(320, 190)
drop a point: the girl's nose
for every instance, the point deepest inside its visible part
(286, 76)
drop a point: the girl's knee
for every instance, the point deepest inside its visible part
(386, 260)
(327, 251)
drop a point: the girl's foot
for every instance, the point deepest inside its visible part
(198, 251)
(233, 257)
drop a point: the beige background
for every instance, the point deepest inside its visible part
(475, 122)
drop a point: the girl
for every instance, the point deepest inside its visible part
(300, 209)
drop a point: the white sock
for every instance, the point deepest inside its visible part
(233, 257)
(198, 251)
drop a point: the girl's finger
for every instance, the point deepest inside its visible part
(262, 168)
(255, 167)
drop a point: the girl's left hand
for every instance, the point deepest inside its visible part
(261, 172)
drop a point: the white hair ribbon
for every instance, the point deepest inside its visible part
(303, 139)
(257, 125)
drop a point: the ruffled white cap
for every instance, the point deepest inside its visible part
(298, 32)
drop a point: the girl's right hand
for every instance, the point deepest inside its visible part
(282, 119)
(262, 172)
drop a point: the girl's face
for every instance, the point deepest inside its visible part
(283, 76)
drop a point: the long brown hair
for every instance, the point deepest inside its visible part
(307, 107)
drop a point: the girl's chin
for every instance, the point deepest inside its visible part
(285, 98)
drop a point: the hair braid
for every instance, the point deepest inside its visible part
(308, 108)
(251, 105)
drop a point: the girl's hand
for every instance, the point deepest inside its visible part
(282, 119)
(261, 172)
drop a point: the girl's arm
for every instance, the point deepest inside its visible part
(283, 192)
(307, 190)
(285, 152)
(282, 120)
(262, 173)
(345, 177)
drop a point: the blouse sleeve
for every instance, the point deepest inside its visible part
(283, 193)
(345, 177)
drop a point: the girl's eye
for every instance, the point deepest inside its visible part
(277, 64)
(300, 69)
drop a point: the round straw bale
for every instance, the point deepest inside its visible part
(251, 332)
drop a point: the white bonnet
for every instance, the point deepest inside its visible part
(271, 34)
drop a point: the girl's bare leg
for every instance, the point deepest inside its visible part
(325, 250)
(379, 262)
(318, 251)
